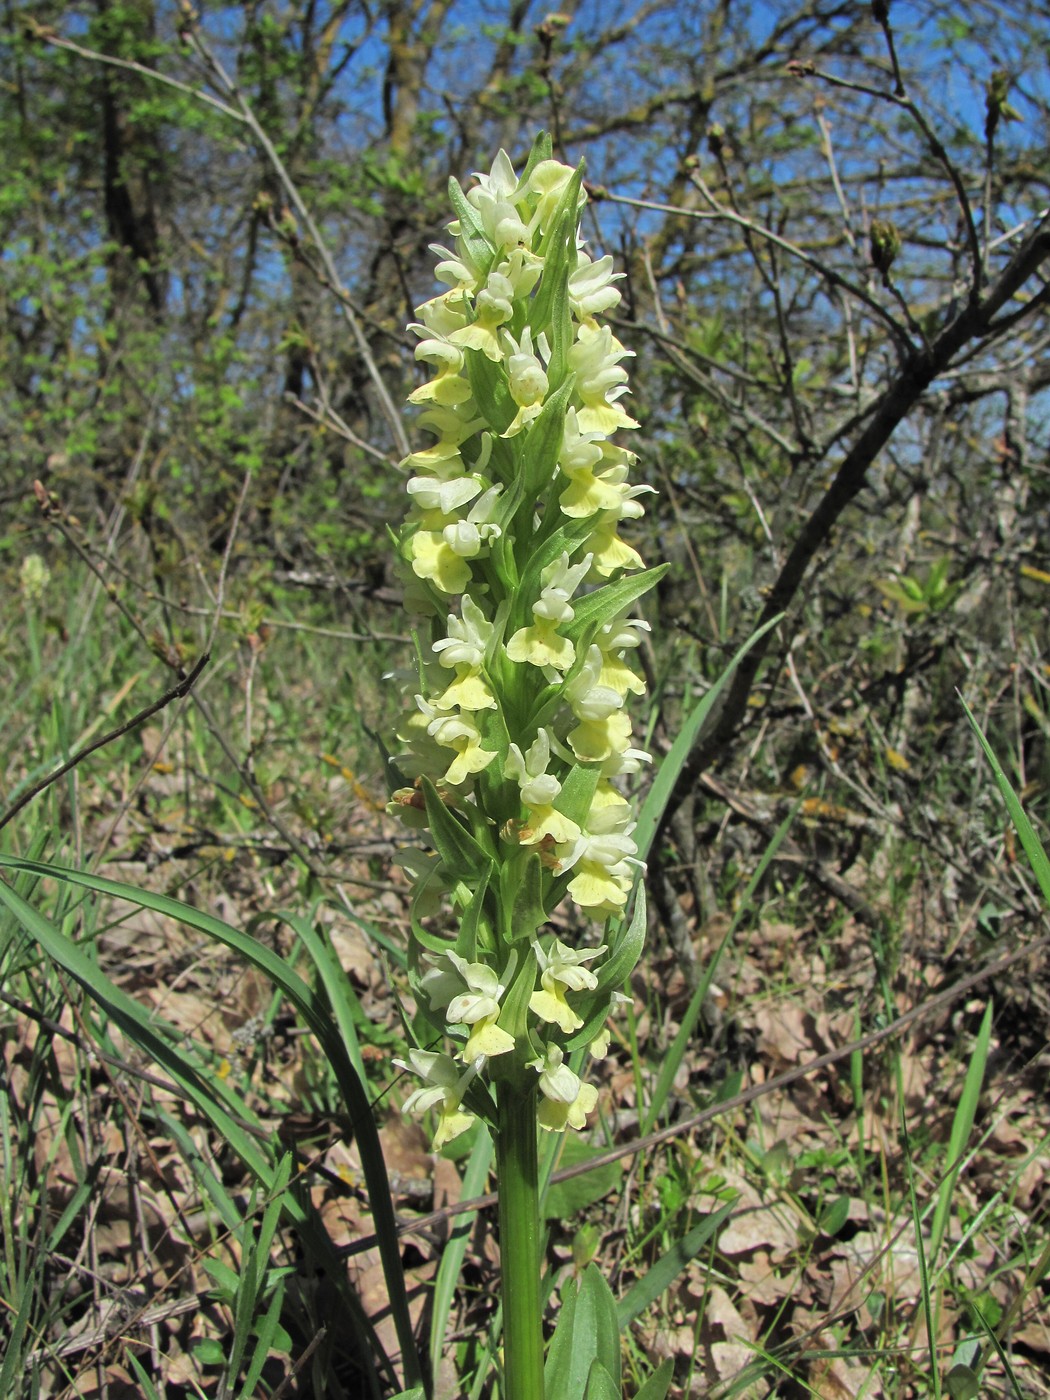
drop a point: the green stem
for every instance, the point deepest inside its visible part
(520, 1244)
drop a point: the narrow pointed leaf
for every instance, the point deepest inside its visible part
(667, 1268)
(667, 774)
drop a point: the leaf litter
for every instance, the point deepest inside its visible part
(828, 1303)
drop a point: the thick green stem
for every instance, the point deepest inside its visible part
(520, 1244)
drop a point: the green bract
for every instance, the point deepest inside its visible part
(516, 731)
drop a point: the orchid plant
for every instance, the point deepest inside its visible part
(516, 736)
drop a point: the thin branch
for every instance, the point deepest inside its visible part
(719, 213)
(833, 171)
(48, 36)
(974, 322)
(900, 99)
(177, 692)
(683, 357)
(327, 417)
(390, 413)
(1006, 323)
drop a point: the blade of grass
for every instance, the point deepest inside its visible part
(268, 1328)
(993, 1336)
(453, 1254)
(211, 1188)
(134, 1021)
(14, 1364)
(149, 1390)
(676, 1051)
(213, 1098)
(309, 1006)
(667, 774)
(920, 1248)
(663, 1273)
(1033, 849)
(962, 1126)
(255, 1264)
(337, 986)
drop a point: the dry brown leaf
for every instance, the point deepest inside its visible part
(786, 1120)
(51, 1153)
(915, 1078)
(1034, 1334)
(448, 1187)
(114, 1381)
(181, 1368)
(352, 949)
(730, 1355)
(405, 1151)
(764, 1284)
(784, 1034)
(849, 1291)
(772, 1227)
(346, 1221)
(874, 1266)
(196, 1014)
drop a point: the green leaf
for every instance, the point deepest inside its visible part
(271, 1336)
(455, 1248)
(904, 597)
(834, 1215)
(550, 311)
(937, 578)
(514, 1010)
(488, 383)
(596, 1301)
(461, 855)
(626, 948)
(566, 539)
(577, 792)
(587, 1331)
(963, 1383)
(149, 1390)
(592, 611)
(341, 996)
(1033, 849)
(667, 1268)
(667, 774)
(586, 1244)
(561, 326)
(612, 974)
(962, 1126)
(567, 212)
(422, 899)
(474, 918)
(600, 1385)
(224, 1278)
(522, 885)
(543, 439)
(471, 229)
(542, 149)
(659, 1383)
(558, 1372)
(208, 1183)
(210, 1353)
